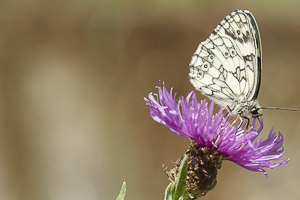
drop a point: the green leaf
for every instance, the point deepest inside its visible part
(122, 193)
(213, 184)
(180, 181)
(169, 192)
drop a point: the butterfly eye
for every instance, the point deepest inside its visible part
(205, 66)
(238, 32)
(226, 54)
(232, 52)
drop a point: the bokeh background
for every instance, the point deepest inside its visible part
(73, 75)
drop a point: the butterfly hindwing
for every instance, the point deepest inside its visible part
(226, 66)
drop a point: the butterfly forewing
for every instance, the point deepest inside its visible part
(226, 66)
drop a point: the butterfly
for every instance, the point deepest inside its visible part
(226, 67)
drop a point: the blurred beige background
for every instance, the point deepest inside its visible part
(73, 75)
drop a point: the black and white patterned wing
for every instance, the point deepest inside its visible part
(226, 66)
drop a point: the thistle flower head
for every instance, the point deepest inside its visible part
(196, 121)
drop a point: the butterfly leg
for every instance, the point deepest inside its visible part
(248, 121)
(260, 121)
(256, 117)
(226, 115)
(228, 109)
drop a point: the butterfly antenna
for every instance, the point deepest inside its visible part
(277, 108)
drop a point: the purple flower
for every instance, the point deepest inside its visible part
(191, 119)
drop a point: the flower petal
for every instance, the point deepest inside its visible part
(195, 120)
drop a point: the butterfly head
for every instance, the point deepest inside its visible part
(250, 109)
(255, 112)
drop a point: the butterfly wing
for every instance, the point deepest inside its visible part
(227, 66)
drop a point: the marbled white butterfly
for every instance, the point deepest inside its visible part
(226, 67)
